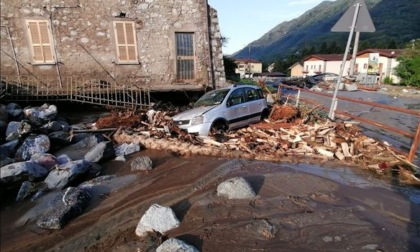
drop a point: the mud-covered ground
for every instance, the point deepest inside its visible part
(299, 207)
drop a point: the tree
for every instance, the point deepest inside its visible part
(409, 64)
(230, 67)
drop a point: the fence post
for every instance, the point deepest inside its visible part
(414, 145)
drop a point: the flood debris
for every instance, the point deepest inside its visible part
(289, 132)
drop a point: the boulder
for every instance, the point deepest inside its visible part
(21, 171)
(236, 188)
(142, 164)
(12, 131)
(72, 204)
(126, 149)
(174, 244)
(8, 149)
(157, 219)
(28, 188)
(6, 161)
(52, 126)
(14, 111)
(100, 152)
(66, 173)
(63, 158)
(78, 150)
(40, 115)
(46, 160)
(59, 139)
(34, 144)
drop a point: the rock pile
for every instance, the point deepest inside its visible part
(41, 153)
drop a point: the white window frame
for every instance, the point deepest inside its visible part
(44, 47)
(126, 48)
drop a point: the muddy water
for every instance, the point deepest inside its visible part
(307, 208)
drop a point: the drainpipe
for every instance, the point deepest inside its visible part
(57, 67)
(14, 53)
(213, 81)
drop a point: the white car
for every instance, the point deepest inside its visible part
(224, 109)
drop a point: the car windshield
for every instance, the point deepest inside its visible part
(212, 98)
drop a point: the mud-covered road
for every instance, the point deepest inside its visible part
(299, 207)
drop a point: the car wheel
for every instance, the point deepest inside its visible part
(218, 127)
(264, 114)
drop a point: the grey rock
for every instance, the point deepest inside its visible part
(120, 158)
(6, 161)
(21, 171)
(14, 111)
(40, 115)
(46, 160)
(27, 189)
(157, 218)
(52, 126)
(34, 144)
(126, 149)
(174, 244)
(63, 158)
(236, 188)
(100, 152)
(59, 139)
(8, 149)
(142, 164)
(12, 131)
(73, 203)
(66, 173)
(78, 150)
(96, 181)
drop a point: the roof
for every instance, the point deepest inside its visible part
(389, 53)
(246, 61)
(272, 74)
(297, 63)
(328, 57)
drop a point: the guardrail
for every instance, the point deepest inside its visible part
(415, 136)
(82, 90)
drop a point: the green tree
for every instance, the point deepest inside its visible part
(409, 64)
(230, 67)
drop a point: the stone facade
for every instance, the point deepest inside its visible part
(84, 41)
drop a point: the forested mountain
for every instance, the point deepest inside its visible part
(396, 21)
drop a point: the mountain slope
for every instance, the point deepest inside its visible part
(398, 20)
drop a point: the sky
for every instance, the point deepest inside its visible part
(244, 21)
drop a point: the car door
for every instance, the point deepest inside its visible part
(236, 109)
(255, 104)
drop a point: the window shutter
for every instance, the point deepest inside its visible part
(125, 37)
(40, 41)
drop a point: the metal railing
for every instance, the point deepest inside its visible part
(414, 136)
(75, 89)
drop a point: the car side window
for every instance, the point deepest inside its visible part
(251, 94)
(235, 98)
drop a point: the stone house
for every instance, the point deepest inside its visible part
(159, 44)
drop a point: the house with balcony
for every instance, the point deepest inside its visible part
(379, 63)
(248, 67)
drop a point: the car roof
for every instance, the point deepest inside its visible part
(237, 85)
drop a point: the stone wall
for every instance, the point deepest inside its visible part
(84, 42)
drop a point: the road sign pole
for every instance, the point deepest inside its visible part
(334, 101)
(355, 49)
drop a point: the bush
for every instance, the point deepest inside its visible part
(388, 80)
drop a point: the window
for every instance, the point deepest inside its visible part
(126, 43)
(320, 68)
(40, 41)
(235, 98)
(251, 94)
(365, 66)
(185, 69)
